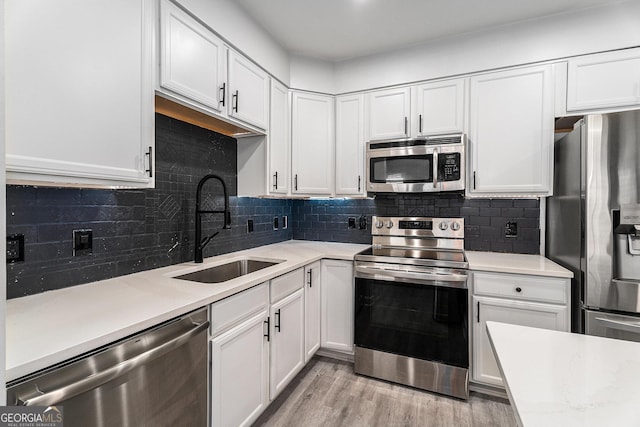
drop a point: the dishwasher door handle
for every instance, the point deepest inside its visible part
(63, 393)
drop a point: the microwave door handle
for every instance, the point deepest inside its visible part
(435, 169)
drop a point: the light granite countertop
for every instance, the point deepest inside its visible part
(51, 327)
(562, 379)
(515, 263)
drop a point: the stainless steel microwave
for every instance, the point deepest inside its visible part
(424, 165)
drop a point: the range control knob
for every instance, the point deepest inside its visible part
(455, 226)
(379, 224)
(389, 224)
(443, 226)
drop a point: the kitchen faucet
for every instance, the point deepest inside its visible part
(200, 242)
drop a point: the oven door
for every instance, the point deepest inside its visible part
(401, 169)
(417, 315)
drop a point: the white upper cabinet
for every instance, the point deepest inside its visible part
(312, 143)
(511, 132)
(79, 93)
(439, 108)
(279, 142)
(248, 91)
(199, 70)
(388, 114)
(604, 81)
(350, 145)
(193, 59)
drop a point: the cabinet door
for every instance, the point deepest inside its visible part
(240, 373)
(311, 310)
(248, 91)
(604, 81)
(312, 143)
(439, 108)
(287, 341)
(79, 92)
(388, 114)
(511, 132)
(192, 58)
(350, 145)
(337, 305)
(547, 316)
(279, 142)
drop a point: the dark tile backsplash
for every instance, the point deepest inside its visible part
(485, 219)
(136, 230)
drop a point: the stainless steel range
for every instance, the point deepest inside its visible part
(411, 323)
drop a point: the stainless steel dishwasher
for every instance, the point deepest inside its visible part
(156, 378)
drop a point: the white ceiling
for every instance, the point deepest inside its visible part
(336, 30)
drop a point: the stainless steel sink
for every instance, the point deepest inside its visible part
(228, 271)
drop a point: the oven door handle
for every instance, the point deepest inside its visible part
(451, 280)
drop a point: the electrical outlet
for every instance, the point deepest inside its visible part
(362, 222)
(15, 248)
(511, 229)
(249, 226)
(82, 242)
(352, 223)
(285, 222)
(275, 223)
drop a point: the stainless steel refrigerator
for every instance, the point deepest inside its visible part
(593, 222)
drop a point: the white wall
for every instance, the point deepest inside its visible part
(3, 230)
(312, 74)
(592, 30)
(235, 26)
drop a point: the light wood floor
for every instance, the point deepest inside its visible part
(328, 393)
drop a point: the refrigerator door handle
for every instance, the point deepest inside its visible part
(620, 325)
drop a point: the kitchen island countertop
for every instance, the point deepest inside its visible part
(562, 379)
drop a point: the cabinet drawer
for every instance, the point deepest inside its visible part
(233, 310)
(534, 288)
(286, 284)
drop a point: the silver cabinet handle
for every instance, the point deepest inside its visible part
(113, 372)
(420, 123)
(235, 103)
(359, 182)
(295, 181)
(275, 178)
(406, 125)
(310, 274)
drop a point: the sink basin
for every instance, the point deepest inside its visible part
(231, 270)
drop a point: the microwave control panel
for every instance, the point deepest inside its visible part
(449, 167)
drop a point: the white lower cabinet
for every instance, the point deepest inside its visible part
(240, 357)
(534, 301)
(311, 310)
(240, 373)
(287, 340)
(261, 338)
(337, 299)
